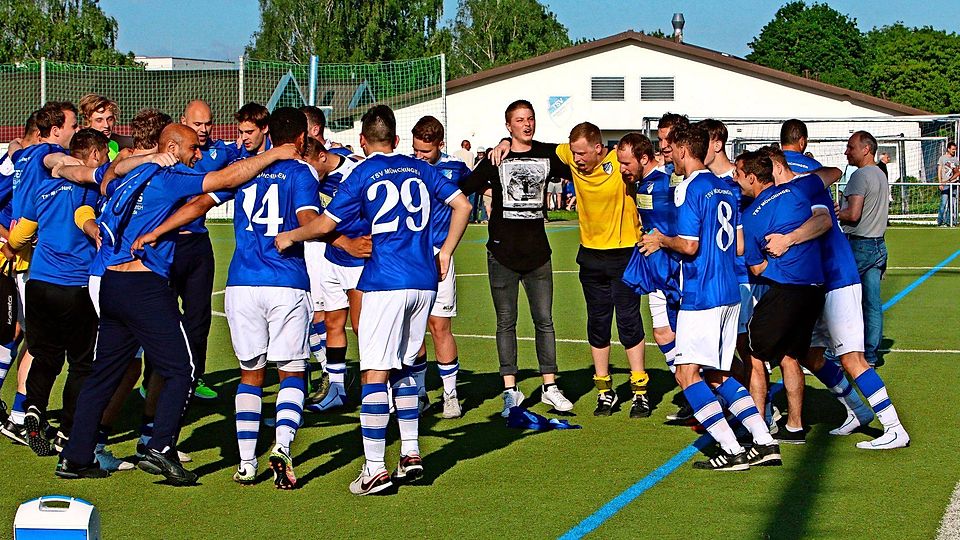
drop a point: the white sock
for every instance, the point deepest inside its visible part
(448, 375)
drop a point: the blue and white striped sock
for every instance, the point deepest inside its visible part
(743, 407)
(8, 353)
(709, 413)
(419, 372)
(669, 353)
(408, 411)
(448, 375)
(318, 342)
(876, 392)
(374, 415)
(249, 401)
(832, 377)
(18, 411)
(289, 410)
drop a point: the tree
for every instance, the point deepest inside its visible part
(63, 30)
(490, 33)
(344, 31)
(815, 41)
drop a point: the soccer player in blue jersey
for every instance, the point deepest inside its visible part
(137, 306)
(840, 327)
(427, 145)
(394, 193)
(252, 125)
(706, 241)
(793, 142)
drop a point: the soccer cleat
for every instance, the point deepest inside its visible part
(282, 465)
(182, 456)
(318, 395)
(202, 391)
(451, 406)
(785, 436)
(369, 484)
(106, 460)
(895, 437)
(167, 465)
(245, 474)
(408, 470)
(71, 471)
(36, 428)
(15, 432)
(605, 402)
(684, 413)
(334, 399)
(59, 441)
(855, 420)
(640, 408)
(511, 399)
(555, 399)
(725, 462)
(764, 455)
(423, 402)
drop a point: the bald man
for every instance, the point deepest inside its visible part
(138, 307)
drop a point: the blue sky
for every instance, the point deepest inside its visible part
(219, 29)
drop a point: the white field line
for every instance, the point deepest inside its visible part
(950, 524)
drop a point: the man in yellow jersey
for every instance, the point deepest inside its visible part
(609, 226)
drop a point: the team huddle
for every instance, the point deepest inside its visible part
(744, 262)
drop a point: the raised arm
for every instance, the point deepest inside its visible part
(243, 170)
(829, 175)
(187, 213)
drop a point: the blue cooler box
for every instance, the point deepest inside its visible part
(56, 517)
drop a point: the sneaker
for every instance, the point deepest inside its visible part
(15, 432)
(36, 428)
(336, 397)
(895, 437)
(764, 455)
(246, 474)
(408, 470)
(108, 462)
(605, 402)
(323, 388)
(71, 471)
(785, 436)
(640, 408)
(451, 405)
(59, 440)
(368, 484)
(553, 397)
(202, 391)
(282, 465)
(423, 402)
(511, 399)
(683, 414)
(855, 420)
(725, 462)
(167, 465)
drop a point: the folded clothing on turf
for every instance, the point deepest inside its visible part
(521, 418)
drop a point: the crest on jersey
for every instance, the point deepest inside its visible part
(607, 167)
(213, 153)
(448, 173)
(650, 188)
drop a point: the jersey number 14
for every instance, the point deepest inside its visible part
(269, 212)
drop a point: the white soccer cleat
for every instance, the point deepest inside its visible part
(246, 473)
(895, 437)
(451, 406)
(855, 419)
(511, 399)
(556, 400)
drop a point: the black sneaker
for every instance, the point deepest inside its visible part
(408, 470)
(168, 465)
(765, 455)
(72, 471)
(683, 414)
(605, 402)
(785, 436)
(640, 407)
(59, 441)
(725, 462)
(36, 430)
(15, 432)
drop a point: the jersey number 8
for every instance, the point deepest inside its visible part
(726, 235)
(393, 196)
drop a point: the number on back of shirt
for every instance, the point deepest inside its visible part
(726, 234)
(268, 213)
(420, 210)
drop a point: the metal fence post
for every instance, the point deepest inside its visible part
(43, 80)
(240, 84)
(443, 89)
(314, 68)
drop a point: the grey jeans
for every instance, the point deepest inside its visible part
(504, 287)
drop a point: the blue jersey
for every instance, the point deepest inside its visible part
(360, 227)
(800, 163)
(215, 155)
(394, 194)
(780, 209)
(63, 253)
(743, 275)
(706, 212)
(6, 189)
(655, 203)
(244, 153)
(839, 266)
(266, 206)
(453, 169)
(156, 194)
(28, 171)
(340, 151)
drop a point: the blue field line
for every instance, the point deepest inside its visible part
(909, 288)
(607, 511)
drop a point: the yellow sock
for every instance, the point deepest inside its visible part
(603, 384)
(638, 382)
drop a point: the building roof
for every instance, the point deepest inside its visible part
(700, 54)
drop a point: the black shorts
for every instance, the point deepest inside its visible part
(783, 321)
(601, 272)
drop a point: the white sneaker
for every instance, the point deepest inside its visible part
(555, 399)
(367, 484)
(895, 437)
(451, 406)
(511, 399)
(860, 417)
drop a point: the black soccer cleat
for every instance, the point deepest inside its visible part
(785, 436)
(765, 455)
(640, 408)
(168, 465)
(605, 403)
(725, 462)
(73, 471)
(683, 414)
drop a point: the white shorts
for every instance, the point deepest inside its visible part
(22, 278)
(313, 254)
(392, 326)
(93, 287)
(274, 321)
(707, 337)
(747, 301)
(335, 281)
(446, 303)
(658, 309)
(840, 327)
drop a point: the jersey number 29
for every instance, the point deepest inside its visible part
(393, 196)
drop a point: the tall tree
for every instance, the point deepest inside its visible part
(344, 30)
(490, 33)
(64, 30)
(816, 41)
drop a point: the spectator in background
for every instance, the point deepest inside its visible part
(554, 193)
(102, 114)
(882, 161)
(465, 155)
(948, 169)
(570, 195)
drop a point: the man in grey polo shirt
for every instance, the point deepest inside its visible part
(863, 214)
(948, 170)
